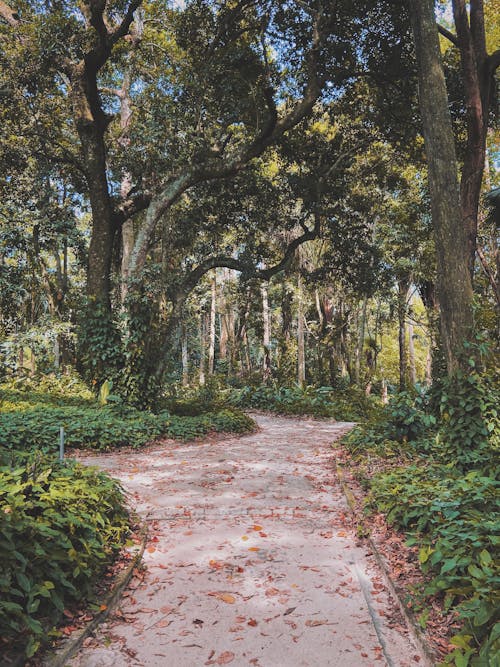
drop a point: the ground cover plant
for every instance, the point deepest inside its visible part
(31, 417)
(61, 525)
(349, 404)
(445, 498)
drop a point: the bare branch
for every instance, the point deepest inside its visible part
(449, 35)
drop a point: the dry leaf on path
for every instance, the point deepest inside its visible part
(225, 597)
(313, 624)
(225, 658)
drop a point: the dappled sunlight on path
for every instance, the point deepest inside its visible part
(252, 559)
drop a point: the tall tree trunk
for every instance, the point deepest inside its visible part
(478, 79)
(411, 354)
(360, 341)
(453, 275)
(202, 349)
(266, 338)
(301, 348)
(411, 346)
(184, 356)
(213, 314)
(403, 357)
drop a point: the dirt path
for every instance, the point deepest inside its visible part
(251, 561)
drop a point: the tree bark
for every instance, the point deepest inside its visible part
(403, 357)
(453, 275)
(360, 342)
(185, 358)
(213, 313)
(266, 338)
(301, 351)
(202, 349)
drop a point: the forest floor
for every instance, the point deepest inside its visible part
(252, 559)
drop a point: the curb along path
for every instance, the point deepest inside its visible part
(251, 560)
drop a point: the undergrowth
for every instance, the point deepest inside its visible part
(347, 405)
(446, 499)
(31, 418)
(60, 526)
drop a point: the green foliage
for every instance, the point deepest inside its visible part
(469, 407)
(31, 419)
(190, 427)
(447, 499)
(348, 405)
(89, 427)
(99, 345)
(60, 526)
(454, 519)
(138, 381)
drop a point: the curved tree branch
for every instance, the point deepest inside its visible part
(449, 35)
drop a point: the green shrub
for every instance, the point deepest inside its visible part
(455, 520)
(189, 428)
(90, 427)
(60, 526)
(349, 405)
(469, 408)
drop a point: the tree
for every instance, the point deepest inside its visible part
(479, 90)
(453, 275)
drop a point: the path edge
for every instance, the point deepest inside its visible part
(411, 623)
(59, 656)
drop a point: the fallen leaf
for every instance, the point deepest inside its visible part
(244, 538)
(270, 592)
(151, 549)
(163, 623)
(225, 658)
(289, 611)
(262, 534)
(216, 564)
(103, 607)
(166, 609)
(253, 548)
(313, 624)
(252, 622)
(225, 597)
(257, 528)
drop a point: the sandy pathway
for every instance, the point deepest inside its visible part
(251, 560)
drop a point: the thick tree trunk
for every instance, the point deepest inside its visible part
(91, 124)
(453, 275)
(478, 87)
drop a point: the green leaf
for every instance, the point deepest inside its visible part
(424, 553)
(24, 582)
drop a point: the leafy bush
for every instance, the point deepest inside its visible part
(31, 415)
(447, 499)
(189, 428)
(60, 525)
(92, 427)
(346, 405)
(455, 521)
(469, 407)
